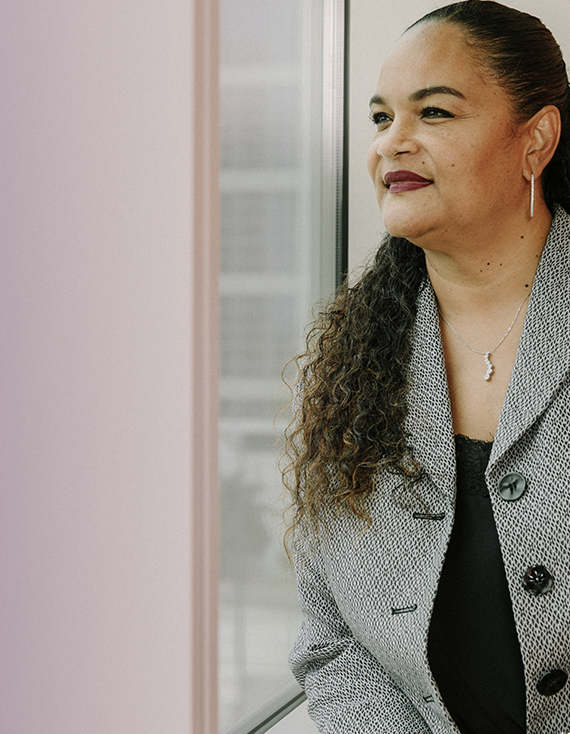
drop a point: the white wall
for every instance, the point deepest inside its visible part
(375, 26)
(94, 370)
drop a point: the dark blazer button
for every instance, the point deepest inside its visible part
(537, 580)
(551, 682)
(512, 486)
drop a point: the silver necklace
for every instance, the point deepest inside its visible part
(487, 355)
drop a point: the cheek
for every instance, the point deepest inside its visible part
(470, 172)
(480, 179)
(485, 164)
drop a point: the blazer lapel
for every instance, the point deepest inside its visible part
(429, 423)
(543, 357)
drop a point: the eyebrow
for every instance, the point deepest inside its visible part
(422, 94)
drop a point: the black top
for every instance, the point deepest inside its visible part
(473, 647)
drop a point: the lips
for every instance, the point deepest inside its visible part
(401, 181)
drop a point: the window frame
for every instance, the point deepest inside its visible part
(271, 713)
(204, 508)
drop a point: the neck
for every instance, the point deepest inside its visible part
(484, 274)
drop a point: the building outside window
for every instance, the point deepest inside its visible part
(278, 259)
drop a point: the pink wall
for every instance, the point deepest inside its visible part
(95, 335)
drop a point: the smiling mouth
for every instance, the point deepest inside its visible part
(399, 182)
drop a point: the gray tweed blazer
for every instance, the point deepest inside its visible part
(367, 595)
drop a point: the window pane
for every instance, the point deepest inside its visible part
(271, 274)
(260, 124)
(258, 229)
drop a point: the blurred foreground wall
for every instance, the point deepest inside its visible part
(95, 329)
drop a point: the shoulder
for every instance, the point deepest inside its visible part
(557, 248)
(553, 273)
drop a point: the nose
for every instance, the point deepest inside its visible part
(396, 140)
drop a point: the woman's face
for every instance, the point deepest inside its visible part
(446, 157)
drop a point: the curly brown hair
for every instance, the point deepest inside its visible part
(352, 386)
(353, 376)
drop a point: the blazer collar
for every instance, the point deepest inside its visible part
(543, 357)
(429, 425)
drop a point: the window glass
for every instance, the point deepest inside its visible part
(297, 722)
(271, 274)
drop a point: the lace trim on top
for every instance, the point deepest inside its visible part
(472, 457)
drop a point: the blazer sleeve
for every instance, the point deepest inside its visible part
(347, 689)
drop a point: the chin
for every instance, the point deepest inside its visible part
(405, 224)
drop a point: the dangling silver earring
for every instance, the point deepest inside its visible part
(532, 194)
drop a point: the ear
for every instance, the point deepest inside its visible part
(543, 133)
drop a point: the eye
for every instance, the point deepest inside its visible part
(379, 118)
(434, 113)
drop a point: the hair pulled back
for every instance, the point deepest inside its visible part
(353, 376)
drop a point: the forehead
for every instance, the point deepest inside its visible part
(433, 55)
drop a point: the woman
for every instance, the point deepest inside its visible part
(430, 454)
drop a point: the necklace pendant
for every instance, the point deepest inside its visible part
(489, 366)
(487, 355)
